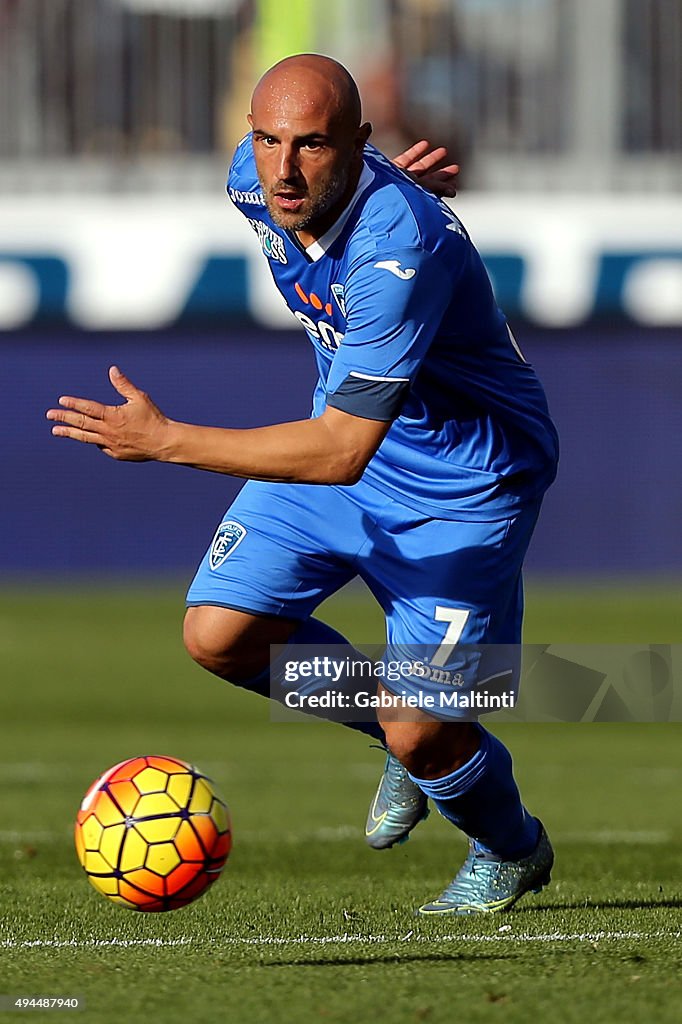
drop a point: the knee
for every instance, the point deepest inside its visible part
(232, 644)
(211, 647)
(430, 749)
(407, 742)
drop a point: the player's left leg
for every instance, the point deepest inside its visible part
(466, 581)
(397, 807)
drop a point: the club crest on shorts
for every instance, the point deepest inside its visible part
(228, 535)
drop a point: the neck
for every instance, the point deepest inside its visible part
(313, 232)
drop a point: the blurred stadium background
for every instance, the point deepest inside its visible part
(118, 244)
(117, 119)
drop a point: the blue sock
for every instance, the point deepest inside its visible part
(482, 799)
(311, 633)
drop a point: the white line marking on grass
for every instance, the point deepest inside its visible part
(358, 939)
(341, 833)
(325, 834)
(351, 939)
(90, 943)
(633, 837)
(39, 771)
(23, 771)
(16, 836)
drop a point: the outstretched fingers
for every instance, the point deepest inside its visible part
(430, 161)
(428, 166)
(79, 434)
(128, 431)
(421, 159)
(79, 419)
(411, 155)
(94, 410)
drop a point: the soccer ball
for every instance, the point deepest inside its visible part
(152, 834)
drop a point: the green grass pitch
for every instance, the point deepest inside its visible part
(307, 923)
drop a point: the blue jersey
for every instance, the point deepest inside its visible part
(404, 325)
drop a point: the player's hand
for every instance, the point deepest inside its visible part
(132, 432)
(428, 167)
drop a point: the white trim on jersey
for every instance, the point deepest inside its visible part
(317, 250)
(368, 376)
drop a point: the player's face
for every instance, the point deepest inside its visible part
(308, 160)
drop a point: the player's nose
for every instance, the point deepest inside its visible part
(287, 168)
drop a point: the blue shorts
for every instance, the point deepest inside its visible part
(282, 549)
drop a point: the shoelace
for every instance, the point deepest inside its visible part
(474, 865)
(395, 776)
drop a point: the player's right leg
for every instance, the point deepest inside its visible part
(279, 551)
(232, 644)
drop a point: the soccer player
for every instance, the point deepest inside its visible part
(421, 469)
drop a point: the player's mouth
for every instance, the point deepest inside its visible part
(289, 201)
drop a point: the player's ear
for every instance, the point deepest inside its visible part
(249, 118)
(362, 135)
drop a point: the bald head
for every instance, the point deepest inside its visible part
(313, 82)
(308, 141)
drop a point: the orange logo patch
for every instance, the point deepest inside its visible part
(313, 300)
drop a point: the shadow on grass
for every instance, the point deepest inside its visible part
(390, 958)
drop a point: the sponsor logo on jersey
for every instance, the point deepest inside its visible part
(320, 331)
(249, 198)
(313, 300)
(272, 244)
(394, 267)
(340, 296)
(228, 535)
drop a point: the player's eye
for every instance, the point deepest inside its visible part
(268, 140)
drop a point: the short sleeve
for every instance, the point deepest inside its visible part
(395, 302)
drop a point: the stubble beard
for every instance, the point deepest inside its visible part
(318, 203)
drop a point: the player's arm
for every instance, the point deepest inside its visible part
(394, 308)
(332, 448)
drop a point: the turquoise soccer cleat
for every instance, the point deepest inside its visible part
(486, 885)
(397, 807)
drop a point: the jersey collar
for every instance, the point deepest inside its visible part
(317, 250)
